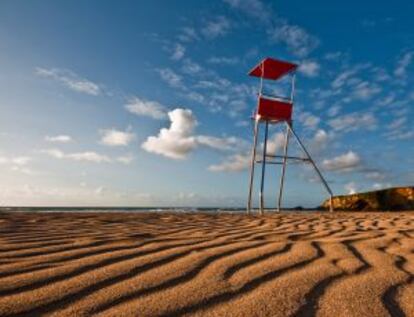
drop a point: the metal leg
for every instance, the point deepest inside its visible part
(315, 167)
(261, 198)
(282, 176)
(256, 130)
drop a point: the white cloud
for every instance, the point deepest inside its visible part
(170, 77)
(125, 159)
(240, 161)
(191, 68)
(233, 163)
(397, 123)
(88, 156)
(223, 60)
(176, 141)
(113, 137)
(351, 188)
(18, 160)
(70, 80)
(147, 108)
(275, 143)
(59, 138)
(365, 90)
(297, 39)
(178, 52)
(320, 141)
(343, 163)
(343, 77)
(309, 120)
(230, 143)
(403, 64)
(254, 8)
(309, 68)
(219, 26)
(188, 34)
(354, 121)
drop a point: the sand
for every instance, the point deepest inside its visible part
(165, 264)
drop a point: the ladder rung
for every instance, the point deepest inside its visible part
(288, 157)
(268, 162)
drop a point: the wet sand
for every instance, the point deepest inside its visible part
(165, 264)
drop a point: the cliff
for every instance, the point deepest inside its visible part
(393, 199)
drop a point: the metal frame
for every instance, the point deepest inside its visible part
(284, 157)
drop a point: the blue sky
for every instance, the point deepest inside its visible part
(147, 103)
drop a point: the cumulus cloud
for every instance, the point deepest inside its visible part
(176, 141)
(217, 27)
(59, 138)
(113, 137)
(70, 80)
(309, 68)
(88, 156)
(179, 139)
(343, 163)
(146, 108)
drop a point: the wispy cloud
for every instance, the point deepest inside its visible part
(88, 156)
(70, 80)
(125, 159)
(146, 108)
(403, 63)
(296, 38)
(170, 77)
(178, 52)
(113, 137)
(216, 27)
(188, 34)
(17, 160)
(233, 163)
(253, 8)
(62, 138)
(222, 60)
(354, 121)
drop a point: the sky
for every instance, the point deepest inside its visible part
(148, 103)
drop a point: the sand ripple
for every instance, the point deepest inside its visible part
(148, 264)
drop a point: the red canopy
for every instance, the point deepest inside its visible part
(271, 68)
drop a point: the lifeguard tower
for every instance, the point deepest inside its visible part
(273, 109)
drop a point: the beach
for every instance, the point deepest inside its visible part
(206, 264)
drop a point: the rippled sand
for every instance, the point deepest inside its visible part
(149, 264)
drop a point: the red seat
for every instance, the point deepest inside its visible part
(275, 110)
